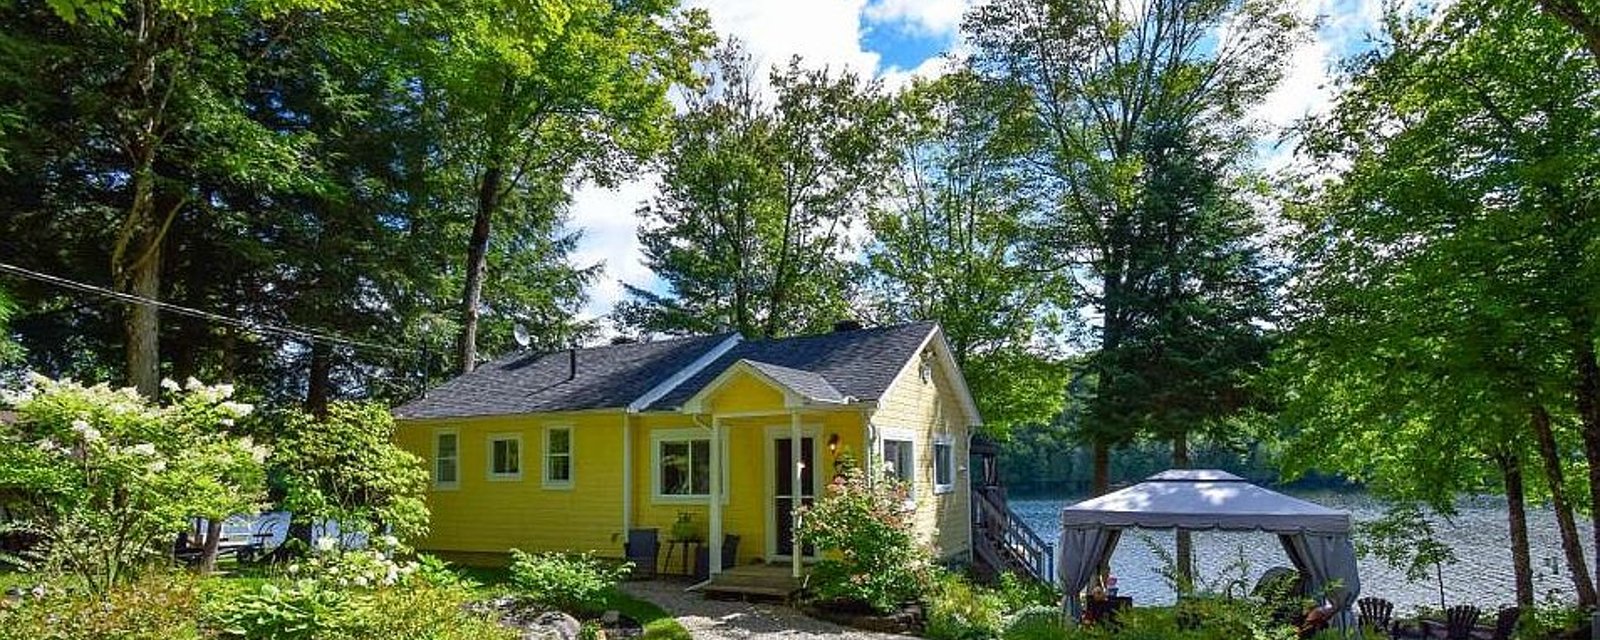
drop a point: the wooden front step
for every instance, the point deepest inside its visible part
(752, 581)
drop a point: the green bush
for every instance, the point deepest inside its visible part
(156, 606)
(1036, 622)
(302, 610)
(306, 609)
(956, 610)
(346, 467)
(876, 559)
(574, 583)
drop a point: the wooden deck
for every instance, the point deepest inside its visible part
(752, 581)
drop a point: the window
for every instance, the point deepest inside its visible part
(505, 457)
(446, 459)
(944, 466)
(558, 457)
(900, 458)
(682, 465)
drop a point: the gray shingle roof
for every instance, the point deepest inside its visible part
(811, 385)
(859, 363)
(607, 377)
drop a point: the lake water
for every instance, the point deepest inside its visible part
(1477, 534)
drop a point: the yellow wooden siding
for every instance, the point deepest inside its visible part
(480, 515)
(744, 393)
(922, 407)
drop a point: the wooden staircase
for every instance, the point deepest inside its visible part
(1003, 542)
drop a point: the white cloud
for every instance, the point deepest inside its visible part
(922, 17)
(1308, 87)
(610, 239)
(824, 32)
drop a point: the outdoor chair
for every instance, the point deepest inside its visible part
(642, 549)
(1376, 614)
(1459, 621)
(1505, 623)
(702, 557)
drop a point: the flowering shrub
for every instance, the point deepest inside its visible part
(876, 558)
(108, 478)
(574, 583)
(373, 567)
(157, 606)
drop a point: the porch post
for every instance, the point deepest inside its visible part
(795, 462)
(715, 553)
(627, 473)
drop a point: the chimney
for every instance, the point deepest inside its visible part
(572, 363)
(846, 325)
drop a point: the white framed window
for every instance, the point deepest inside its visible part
(446, 459)
(944, 465)
(680, 463)
(900, 456)
(505, 456)
(558, 457)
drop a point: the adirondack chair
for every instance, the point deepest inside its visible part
(1505, 623)
(642, 549)
(1376, 614)
(1459, 621)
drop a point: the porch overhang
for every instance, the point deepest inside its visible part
(800, 389)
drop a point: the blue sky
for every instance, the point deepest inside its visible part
(897, 40)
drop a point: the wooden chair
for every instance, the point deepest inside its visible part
(1459, 621)
(1505, 623)
(642, 549)
(1103, 612)
(1376, 614)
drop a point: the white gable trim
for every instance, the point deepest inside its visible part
(792, 399)
(941, 350)
(666, 386)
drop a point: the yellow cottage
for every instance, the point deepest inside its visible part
(572, 449)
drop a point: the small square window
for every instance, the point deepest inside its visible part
(505, 457)
(900, 456)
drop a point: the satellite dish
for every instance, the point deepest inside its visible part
(520, 333)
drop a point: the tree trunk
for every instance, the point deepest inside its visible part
(1586, 392)
(142, 325)
(1510, 461)
(1571, 545)
(319, 382)
(1101, 483)
(478, 264)
(208, 554)
(1185, 539)
(1586, 24)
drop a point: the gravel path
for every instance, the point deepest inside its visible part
(731, 620)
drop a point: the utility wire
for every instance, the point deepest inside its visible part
(298, 333)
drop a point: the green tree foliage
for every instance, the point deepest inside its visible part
(750, 230)
(537, 96)
(108, 478)
(1142, 120)
(1447, 288)
(346, 469)
(948, 245)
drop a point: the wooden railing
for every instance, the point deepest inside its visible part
(1014, 544)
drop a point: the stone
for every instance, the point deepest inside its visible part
(553, 625)
(610, 618)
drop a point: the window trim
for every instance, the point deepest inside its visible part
(944, 440)
(659, 436)
(488, 469)
(433, 476)
(908, 436)
(572, 456)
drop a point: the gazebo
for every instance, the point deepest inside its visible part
(1316, 538)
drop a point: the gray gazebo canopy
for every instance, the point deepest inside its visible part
(1316, 538)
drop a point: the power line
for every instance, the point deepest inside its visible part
(298, 333)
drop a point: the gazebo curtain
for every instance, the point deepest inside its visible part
(1078, 557)
(1329, 563)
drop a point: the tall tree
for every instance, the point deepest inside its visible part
(750, 230)
(948, 244)
(1123, 95)
(1448, 296)
(538, 95)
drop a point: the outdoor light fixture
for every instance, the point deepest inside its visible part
(833, 443)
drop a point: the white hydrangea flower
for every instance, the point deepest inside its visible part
(85, 430)
(49, 446)
(361, 581)
(143, 449)
(294, 568)
(236, 409)
(389, 541)
(157, 466)
(38, 379)
(326, 544)
(227, 422)
(170, 385)
(224, 390)
(193, 385)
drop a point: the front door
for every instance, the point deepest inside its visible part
(784, 493)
